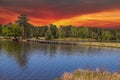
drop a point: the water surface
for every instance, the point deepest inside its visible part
(35, 61)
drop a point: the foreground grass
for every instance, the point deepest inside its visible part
(90, 75)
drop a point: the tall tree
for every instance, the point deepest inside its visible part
(48, 34)
(23, 22)
(0, 29)
(29, 30)
(53, 29)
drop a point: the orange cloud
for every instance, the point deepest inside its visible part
(110, 19)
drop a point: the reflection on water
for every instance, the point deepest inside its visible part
(35, 61)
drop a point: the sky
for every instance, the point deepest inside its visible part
(102, 13)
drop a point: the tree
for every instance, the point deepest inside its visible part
(43, 30)
(29, 30)
(36, 32)
(12, 30)
(94, 36)
(117, 35)
(106, 35)
(67, 30)
(0, 29)
(48, 34)
(61, 33)
(23, 22)
(16, 31)
(53, 30)
(83, 32)
(7, 30)
(75, 32)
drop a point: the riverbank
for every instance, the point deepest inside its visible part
(78, 42)
(90, 75)
(70, 41)
(2, 38)
(101, 44)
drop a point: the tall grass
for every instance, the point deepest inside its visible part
(90, 75)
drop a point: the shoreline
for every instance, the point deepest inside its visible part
(97, 44)
(69, 41)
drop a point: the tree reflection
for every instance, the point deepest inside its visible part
(18, 50)
(22, 50)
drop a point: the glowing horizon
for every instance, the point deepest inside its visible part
(100, 19)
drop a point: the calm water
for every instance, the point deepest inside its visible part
(35, 61)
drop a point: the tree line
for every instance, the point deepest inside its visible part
(22, 28)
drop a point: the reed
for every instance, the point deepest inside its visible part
(90, 75)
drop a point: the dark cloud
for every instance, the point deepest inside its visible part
(58, 9)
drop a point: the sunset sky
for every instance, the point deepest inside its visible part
(103, 13)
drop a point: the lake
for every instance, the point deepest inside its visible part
(36, 61)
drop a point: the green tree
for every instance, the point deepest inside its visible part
(53, 29)
(61, 33)
(117, 35)
(23, 22)
(37, 32)
(16, 31)
(94, 36)
(7, 30)
(83, 32)
(43, 31)
(106, 35)
(0, 29)
(67, 30)
(75, 32)
(48, 34)
(12, 30)
(29, 30)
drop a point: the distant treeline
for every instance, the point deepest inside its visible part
(21, 28)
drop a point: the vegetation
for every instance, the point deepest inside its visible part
(11, 30)
(22, 28)
(90, 75)
(0, 29)
(23, 22)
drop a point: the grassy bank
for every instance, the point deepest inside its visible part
(78, 41)
(101, 44)
(91, 42)
(90, 75)
(4, 38)
(71, 41)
